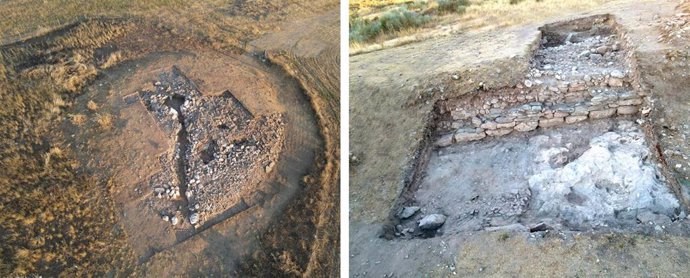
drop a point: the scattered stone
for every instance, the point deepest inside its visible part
(408, 212)
(174, 220)
(432, 221)
(194, 218)
(165, 218)
(455, 76)
(528, 83)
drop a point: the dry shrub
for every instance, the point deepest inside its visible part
(78, 119)
(91, 105)
(105, 121)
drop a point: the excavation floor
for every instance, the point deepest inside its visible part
(594, 175)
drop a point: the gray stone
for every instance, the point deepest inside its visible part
(600, 114)
(648, 217)
(476, 122)
(444, 141)
(408, 212)
(503, 120)
(194, 218)
(617, 74)
(528, 83)
(174, 220)
(432, 221)
(526, 126)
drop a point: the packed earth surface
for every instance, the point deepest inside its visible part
(145, 140)
(557, 147)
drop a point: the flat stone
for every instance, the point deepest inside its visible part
(503, 120)
(506, 125)
(499, 132)
(574, 119)
(489, 125)
(432, 221)
(408, 212)
(527, 126)
(560, 114)
(628, 110)
(545, 123)
(615, 82)
(600, 114)
(580, 110)
(634, 101)
(444, 141)
(465, 135)
(476, 122)
(528, 83)
(648, 217)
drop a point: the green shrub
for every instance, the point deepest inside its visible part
(362, 30)
(452, 6)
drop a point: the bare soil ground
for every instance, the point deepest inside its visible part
(395, 97)
(148, 140)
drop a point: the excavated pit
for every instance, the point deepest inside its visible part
(220, 155)
(564, 149)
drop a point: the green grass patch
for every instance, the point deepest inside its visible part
(363, 30)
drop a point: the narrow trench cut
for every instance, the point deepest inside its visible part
(175, 102)
(564, 149)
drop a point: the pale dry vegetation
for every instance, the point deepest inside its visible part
(448, 17)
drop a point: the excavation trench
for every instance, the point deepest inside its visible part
(564, 149)
(175, 102)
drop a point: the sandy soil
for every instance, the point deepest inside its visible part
(393, 92)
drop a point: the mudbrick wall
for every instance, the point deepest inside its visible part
(581, 71)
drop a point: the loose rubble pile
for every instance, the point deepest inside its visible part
(221, 150)
(574, 76)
